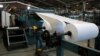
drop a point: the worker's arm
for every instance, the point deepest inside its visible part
(9, 10)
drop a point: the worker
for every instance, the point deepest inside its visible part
(14, 14)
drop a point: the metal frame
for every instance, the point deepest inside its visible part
(75, 48)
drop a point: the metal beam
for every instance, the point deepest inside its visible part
(61, 2)
(82, 1)
(44, 2)
(8, 2)
(18, 2)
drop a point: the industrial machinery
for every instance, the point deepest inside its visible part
(27, 27)
(22, 27)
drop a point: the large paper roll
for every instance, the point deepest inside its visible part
(80, 30)
(47, 25)
(56, 25)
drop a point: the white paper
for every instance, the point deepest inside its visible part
(47, 25)
(80, 30)
(56, 25)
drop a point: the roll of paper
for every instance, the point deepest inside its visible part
(80, 30)
(47, 25)
(56, 25)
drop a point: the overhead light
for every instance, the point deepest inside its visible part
(1, 6)
(28, 7)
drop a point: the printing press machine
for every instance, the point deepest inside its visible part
(29, 27)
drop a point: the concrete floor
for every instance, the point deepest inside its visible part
(28, 51)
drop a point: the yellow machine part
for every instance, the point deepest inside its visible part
(34, 27)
